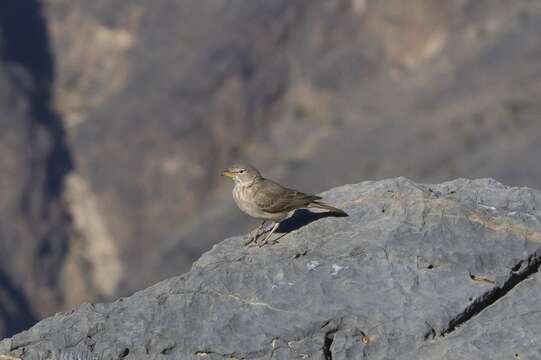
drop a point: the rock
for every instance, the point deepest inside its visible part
(444, 271)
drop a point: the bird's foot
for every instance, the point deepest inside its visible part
(268, 241)
(253, 237)
(250, 240)
(264, 242)
(255, 240)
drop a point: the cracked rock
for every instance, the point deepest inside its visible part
(413, 284)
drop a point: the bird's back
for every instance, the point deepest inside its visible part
(272, 197)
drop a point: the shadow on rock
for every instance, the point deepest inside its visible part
(302, 218)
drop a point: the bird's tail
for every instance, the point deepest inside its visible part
(321, 205)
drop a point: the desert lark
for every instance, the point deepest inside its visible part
(267, 200)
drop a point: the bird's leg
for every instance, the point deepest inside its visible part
(259, 228)
(269, 235)
(265, 229)
(255, 233)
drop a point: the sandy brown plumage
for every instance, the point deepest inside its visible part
(275, 198)
(267, 200)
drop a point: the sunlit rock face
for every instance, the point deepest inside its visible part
(415, 272)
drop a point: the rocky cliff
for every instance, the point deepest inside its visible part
(446, 271)
(117, 116)
(35, 225)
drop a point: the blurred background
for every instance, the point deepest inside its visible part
(116, 118)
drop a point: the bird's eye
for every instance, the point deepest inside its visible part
(241, 171)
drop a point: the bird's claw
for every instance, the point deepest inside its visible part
(250, 241)
(253, 241)
(253, 237)
(263, 243)
(267, 240)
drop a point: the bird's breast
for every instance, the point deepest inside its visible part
(244, 198)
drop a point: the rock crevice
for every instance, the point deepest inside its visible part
(518, 274)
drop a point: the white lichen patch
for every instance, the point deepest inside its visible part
(336, 269)
(312, 264)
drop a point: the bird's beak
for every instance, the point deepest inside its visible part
(227, 173)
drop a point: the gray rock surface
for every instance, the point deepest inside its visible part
(444, 271)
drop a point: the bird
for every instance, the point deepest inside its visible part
(267, 200)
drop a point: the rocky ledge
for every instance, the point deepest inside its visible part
(446, 271)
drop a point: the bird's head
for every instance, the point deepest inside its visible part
(242, 173)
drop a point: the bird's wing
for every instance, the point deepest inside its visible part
(274, 198)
